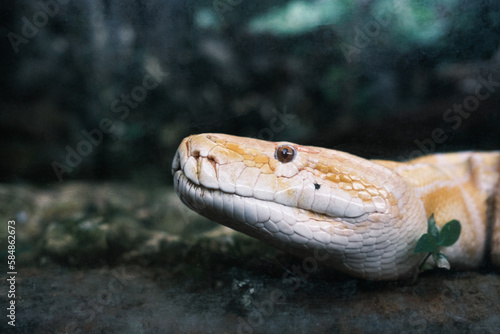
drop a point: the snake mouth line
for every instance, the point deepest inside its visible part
(221, 206)
(197, 195)
(184, 184)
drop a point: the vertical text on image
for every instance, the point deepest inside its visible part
(11, 273)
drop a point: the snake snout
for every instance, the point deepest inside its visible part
(196, 161)
(199, 150)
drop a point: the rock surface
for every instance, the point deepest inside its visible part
(118, 258)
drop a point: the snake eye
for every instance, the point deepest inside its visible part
(285, 153)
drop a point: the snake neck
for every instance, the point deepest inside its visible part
(462, 186)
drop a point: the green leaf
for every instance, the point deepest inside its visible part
(426, 244)
(449, 233)
(432, 228)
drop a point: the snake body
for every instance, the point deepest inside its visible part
(362, 217)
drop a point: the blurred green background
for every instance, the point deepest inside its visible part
(380, 79)
(103, 92)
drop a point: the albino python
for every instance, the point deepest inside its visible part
(366, 215)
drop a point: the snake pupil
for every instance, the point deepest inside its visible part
(285, 153)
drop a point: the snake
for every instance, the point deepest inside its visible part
(358, 216)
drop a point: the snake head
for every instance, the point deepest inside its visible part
(302, 199)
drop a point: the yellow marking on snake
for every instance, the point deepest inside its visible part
(366, 214)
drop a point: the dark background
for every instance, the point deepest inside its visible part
(95, 97)
(373, 78)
